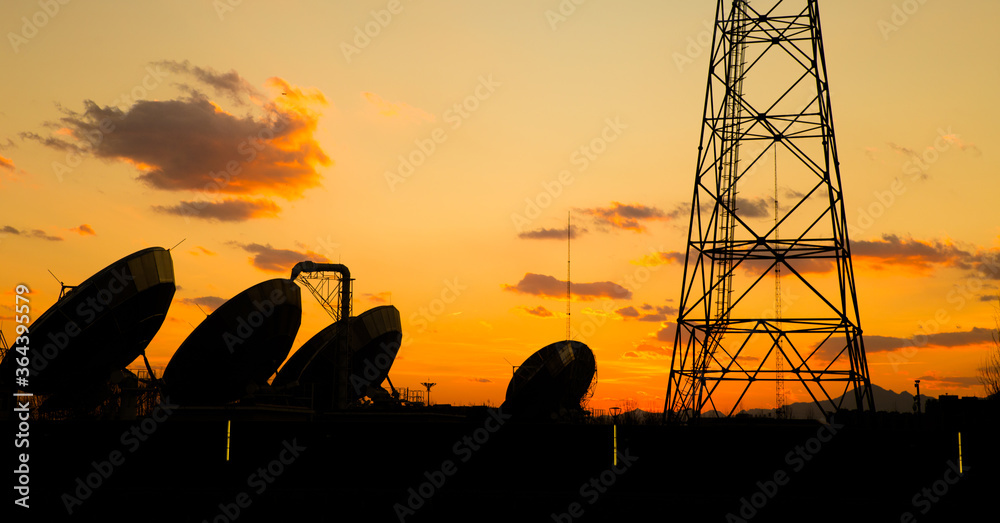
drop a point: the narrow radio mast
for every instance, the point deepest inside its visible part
(569, 235)
(779, 376)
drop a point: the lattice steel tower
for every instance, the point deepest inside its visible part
(758, 306)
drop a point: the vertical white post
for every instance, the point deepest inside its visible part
(959, 452)
(615, 446)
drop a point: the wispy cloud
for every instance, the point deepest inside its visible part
(646, 312)
(551, 234)
(895, 251)
(84, 230)
(209, 303)
(973, 336)
(668, 332)
(549, 286)
(890, 251)
(193, 145)
(936, 380)
(962, 145)
(380, 298)
(229, 84)
(662, 314)
(396, 110)
(32, 233)
(8, 171)
(226, 210)
(627, 312)
(539, 311)
(905, 151)
(871, 152)
(755, 207)
(660, 258)
(270, 259)
(630, 217)
(801, 265)
(648, 351)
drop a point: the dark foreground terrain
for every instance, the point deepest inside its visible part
(476, 464)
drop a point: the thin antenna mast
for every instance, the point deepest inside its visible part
(512, 366)
(779, 384)
(569, 235)
(202, 310)
(62, 286)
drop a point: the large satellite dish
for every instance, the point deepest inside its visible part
(99, 326)
(373, 340)
(552, 381)
(236, 348)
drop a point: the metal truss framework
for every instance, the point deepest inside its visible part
(334, 294)
(327, 289)
(822, 348)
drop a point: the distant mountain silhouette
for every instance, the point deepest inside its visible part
(885, 401)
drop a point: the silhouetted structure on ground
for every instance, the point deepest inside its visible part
(372, 340)
(236, 349)
(553, 382)
(81, 345)
(767, 108)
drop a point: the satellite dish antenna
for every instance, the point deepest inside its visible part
(238, 346)
(134, 292)
(557, 378)
(374, 340)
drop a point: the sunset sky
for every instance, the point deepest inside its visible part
(436, 149)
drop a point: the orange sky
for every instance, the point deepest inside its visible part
(438, 154)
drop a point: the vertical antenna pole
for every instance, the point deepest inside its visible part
(779, 383)
(569, 235)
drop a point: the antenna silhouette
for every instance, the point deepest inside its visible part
(569, 236)
(202, 310)
(62, 286)
(512, 366)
